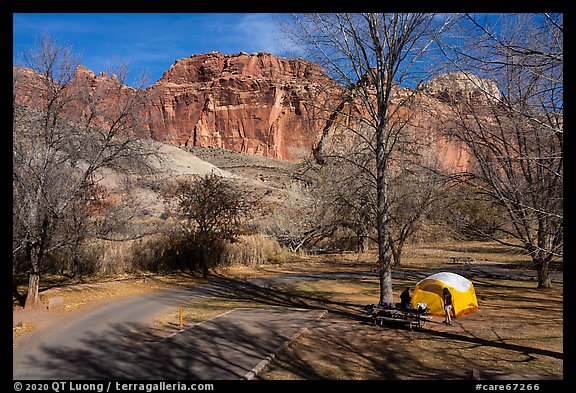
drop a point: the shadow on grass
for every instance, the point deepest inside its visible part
(352, 351)
(383, 359)
(278, 296)
(528, 351)
(218, 351)
(337, 357)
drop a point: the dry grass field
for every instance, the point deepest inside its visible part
(517, 332)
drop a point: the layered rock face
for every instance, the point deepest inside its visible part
(84, 97)
(459, 86)
(425, 115)
(435, 102)
(257, 104)
(263, 105)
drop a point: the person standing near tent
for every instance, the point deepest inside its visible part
(405, 298)
(447, 298)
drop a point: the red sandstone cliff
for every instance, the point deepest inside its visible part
(425, 116)
(257, 104)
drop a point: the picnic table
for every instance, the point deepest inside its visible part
(466, 260)
(413, 317)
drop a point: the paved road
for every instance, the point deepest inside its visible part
(226, 347)
(115, 340)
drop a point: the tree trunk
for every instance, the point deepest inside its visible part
(397, 255)
(385, 275)
(384, 252)
(544, 279)
(76, 265)
(205, 260)
(363, 242)
(396, 250)
(33, 296)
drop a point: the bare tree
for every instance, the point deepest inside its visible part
(516, 135)
(415, 192)
(346, 188)
(295, 226)
(346, 198)
(208, 209)
(369, 54)
(61, 147)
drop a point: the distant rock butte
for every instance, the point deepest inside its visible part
(264, 105)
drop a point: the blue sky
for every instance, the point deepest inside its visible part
(150, 42)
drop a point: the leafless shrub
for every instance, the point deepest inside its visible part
(208, 209)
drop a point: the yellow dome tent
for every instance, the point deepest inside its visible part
(429, 291)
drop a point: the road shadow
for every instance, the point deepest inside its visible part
(224, 348)
(272, 295)
(133, 351)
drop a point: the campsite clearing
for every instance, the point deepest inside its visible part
(517, 333)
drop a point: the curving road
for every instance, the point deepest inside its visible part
(115, 340)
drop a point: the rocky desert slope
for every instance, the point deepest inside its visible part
(271, 181)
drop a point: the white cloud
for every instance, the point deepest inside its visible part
(260, 31)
